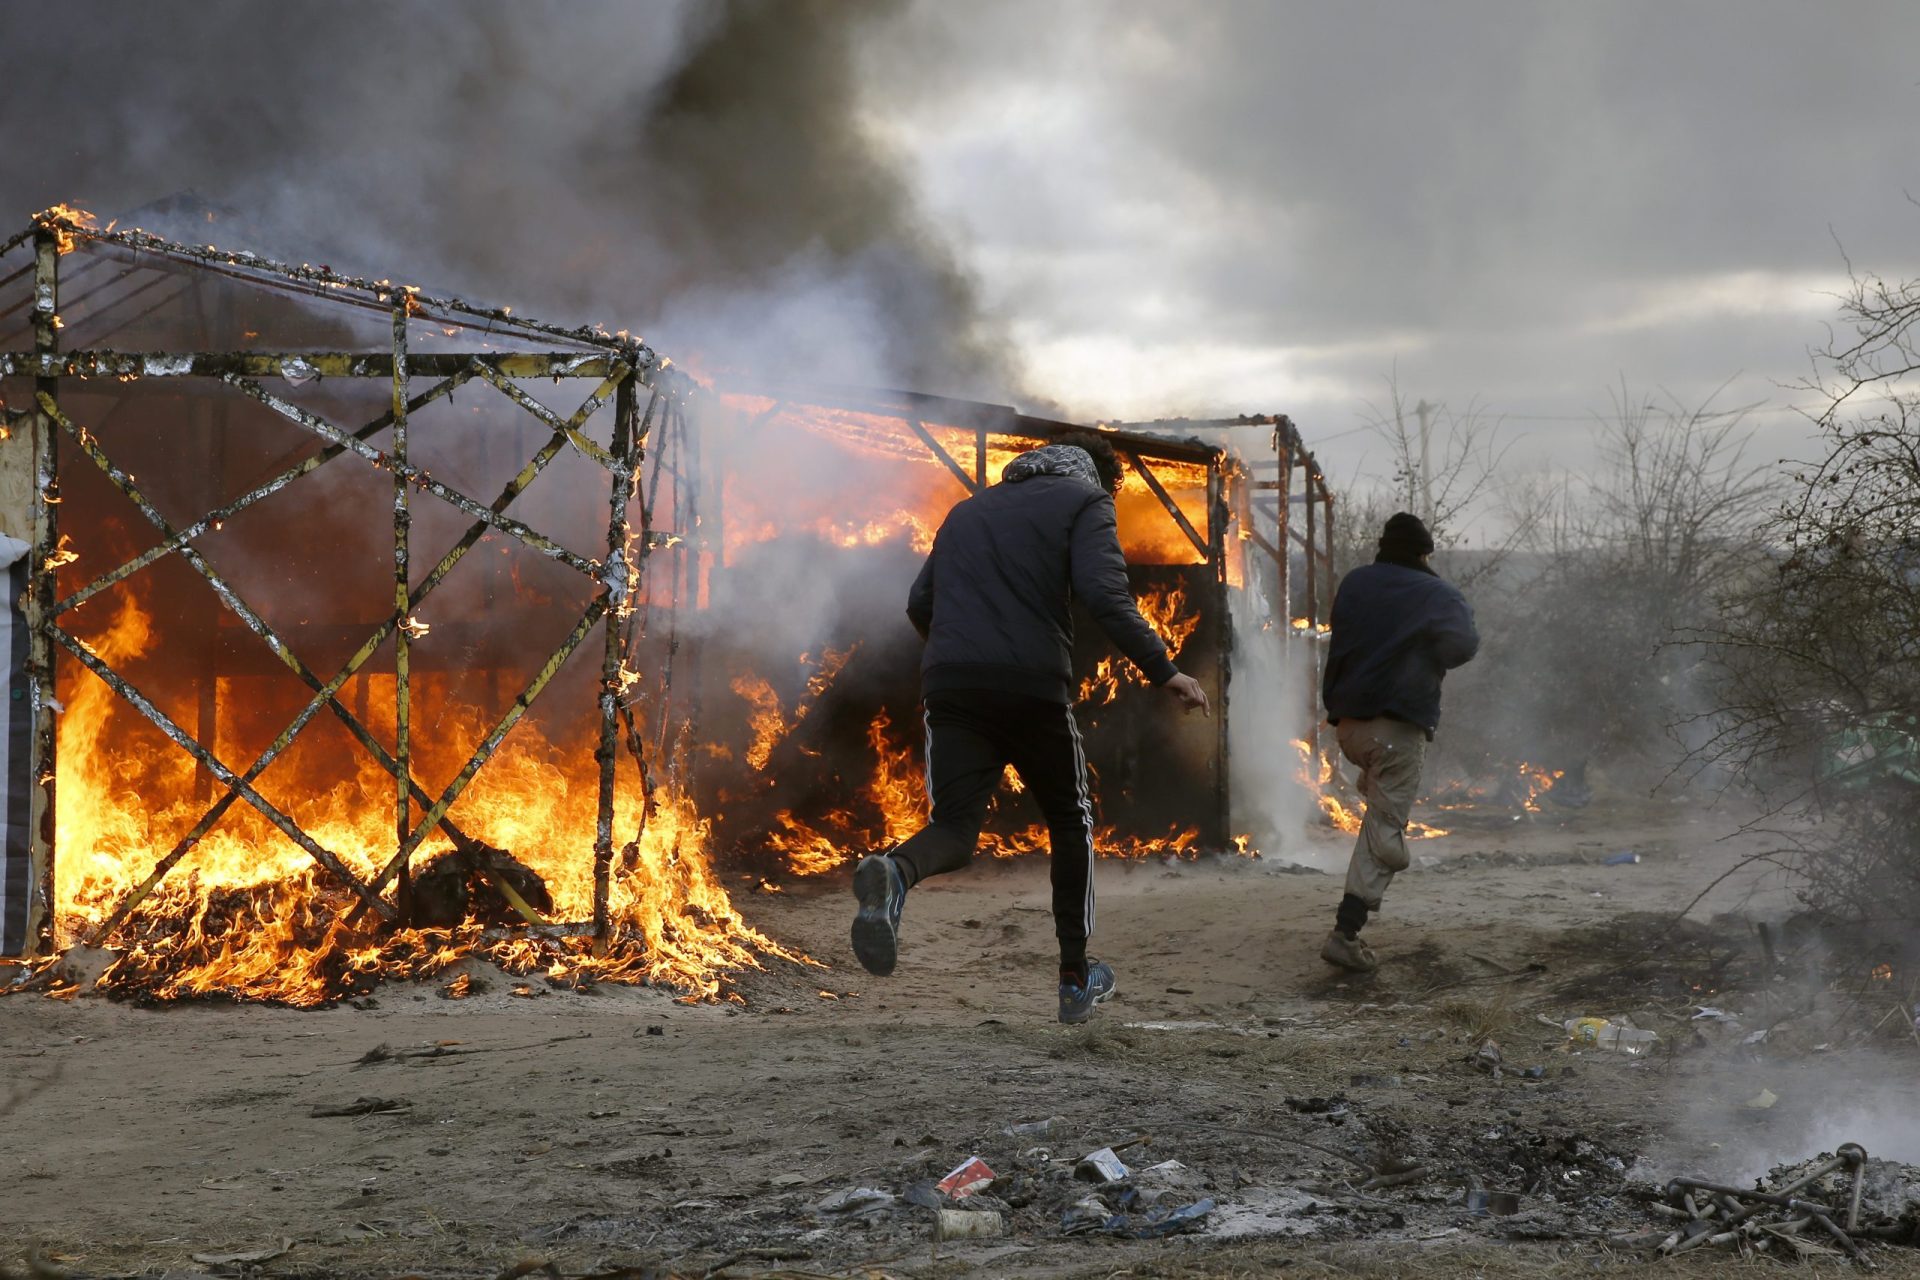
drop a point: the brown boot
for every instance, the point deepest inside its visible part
(1349, 953)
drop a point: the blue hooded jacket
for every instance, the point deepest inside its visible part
(1397, 630)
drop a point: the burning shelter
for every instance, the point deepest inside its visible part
(357, 629)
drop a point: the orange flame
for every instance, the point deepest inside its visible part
(249, 915)
(64, 220)
(1317, 774)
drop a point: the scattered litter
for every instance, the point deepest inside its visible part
(1820, 1207)
(1161, 1221)
(972, 1175)
(1088, 1214)
(856, 1201)
(968, 1224)
(926, 1195)
(1163, 1183)
(1615, 1036)
(360, 1107)
(1100, 1166)
(1033, 1128)
(1626, 859)
(1488, 1058)
(1761, 1101)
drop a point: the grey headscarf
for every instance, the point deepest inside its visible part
(1054, 460)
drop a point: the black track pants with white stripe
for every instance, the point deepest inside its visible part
(972, 736)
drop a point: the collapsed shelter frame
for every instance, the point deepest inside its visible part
(617, 368)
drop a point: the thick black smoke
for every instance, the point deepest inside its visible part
(698, 173)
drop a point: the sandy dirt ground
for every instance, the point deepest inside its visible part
(616, 1132)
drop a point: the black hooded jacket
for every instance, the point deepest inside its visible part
(992, 599)
(1397, 630)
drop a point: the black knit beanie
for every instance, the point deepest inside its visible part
(1405, 539)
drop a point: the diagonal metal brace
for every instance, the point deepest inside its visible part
(1173, 508)
(570, 427)
(325, 857)
(168, 545)
(407, 471)
(959, 472)
(493, 739)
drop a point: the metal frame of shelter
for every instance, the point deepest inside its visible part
(647, 400)
(1265, 507)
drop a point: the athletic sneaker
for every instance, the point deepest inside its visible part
(1076, 1001)
(1349, 953)
(876, 926)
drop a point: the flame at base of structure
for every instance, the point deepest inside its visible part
(297, 940)
(897, 795)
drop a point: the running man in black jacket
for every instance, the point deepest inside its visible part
(997, 681)
(1398, 628)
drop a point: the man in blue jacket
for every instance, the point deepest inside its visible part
(998, 687)
(1398, 628)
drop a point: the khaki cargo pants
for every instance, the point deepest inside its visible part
(1389, 754)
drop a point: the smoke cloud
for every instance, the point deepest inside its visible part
(699, 173)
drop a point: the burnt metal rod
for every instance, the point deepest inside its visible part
(617, 601)
(1166, 500)
(1223, 647)
(259, 493)
(326, 430)
(939, 451)
(1735, 1217)
(1832, 1228)
(97, 362)
(1764, 1197)
(1856, 1155)
(569, 426)
(185, 741)
(493, 739)
(403, 632)
(245, 266)
(42, 587)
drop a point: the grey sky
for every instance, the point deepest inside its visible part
(1126, 208)
(1265, 206)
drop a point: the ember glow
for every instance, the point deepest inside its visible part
(64, 220)
(247, 914)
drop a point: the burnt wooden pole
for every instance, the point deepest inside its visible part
(41, 595)
(617, 587)
(402, 634)
(1223, 615)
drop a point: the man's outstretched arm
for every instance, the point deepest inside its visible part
(1099, 571)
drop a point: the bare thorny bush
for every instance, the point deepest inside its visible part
(1818, 656)
(1589, 578)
